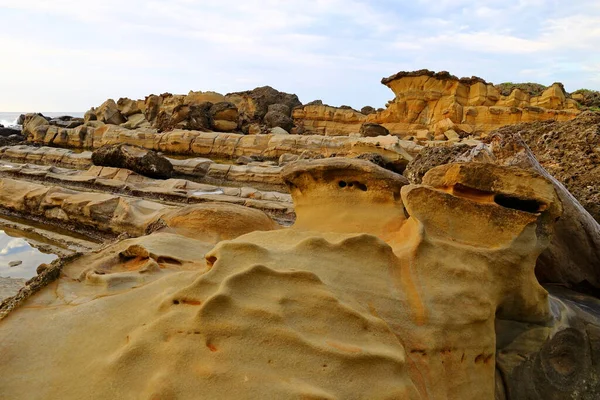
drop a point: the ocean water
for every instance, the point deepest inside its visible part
(9, 119)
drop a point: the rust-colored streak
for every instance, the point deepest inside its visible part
(211, 347)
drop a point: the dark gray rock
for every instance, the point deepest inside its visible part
(276, 119)
(5, 132)
(144, 162)
(370, 129)
(281, 108)
(367, 110)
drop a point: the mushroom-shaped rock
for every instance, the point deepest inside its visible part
(345, 195)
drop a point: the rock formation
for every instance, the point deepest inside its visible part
(439, 102)
(573, 256)
(216, 247)
(447, 259)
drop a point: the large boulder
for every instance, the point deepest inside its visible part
(129, 107)
(143, 161)
(276, 119)
(254, 104)
(108, 112)
(31, 122)
(280, 108)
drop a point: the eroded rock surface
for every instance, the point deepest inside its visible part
(382, 289)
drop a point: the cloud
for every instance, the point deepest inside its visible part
(72, 54)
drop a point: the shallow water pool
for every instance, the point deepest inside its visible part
(14, 249)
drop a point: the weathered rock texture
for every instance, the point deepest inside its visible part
(221, 145)
(135, 158)
(439, 102)
(570, 152)
(397, 298)
(573, 256)
(197, 169)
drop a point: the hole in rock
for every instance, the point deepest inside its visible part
(361, 186)
(210, 261)
(350, 184)
(530, 206)
(168, 260)
(342, 184)
(175, 301)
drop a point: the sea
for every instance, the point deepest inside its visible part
(9, 119)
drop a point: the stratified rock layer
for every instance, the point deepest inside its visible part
(397, 298)
(440, 102)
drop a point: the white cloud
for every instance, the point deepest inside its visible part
(76, 53)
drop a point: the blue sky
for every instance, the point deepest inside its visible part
(69, 55)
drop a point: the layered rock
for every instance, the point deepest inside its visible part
(221, 145)
(573, 256)
(439, 102)
(447, 260)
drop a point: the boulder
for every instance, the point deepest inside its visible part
(370, 129)
(224, 116)
(367, 110)
(31, 122)
(281, 108)
(135, 121)
(254, 104)
(108, 112)
(128, 107)
(21, 119)
(90, 115)
(277, 119)
(140, 160)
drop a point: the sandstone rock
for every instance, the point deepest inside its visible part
(388, 330)
(90, 115)
(108, 113)
(451, 135)
(205, 222)
(275, 119)
(224, 117)
(140, 160)
(372, 130)
(31, 122)
(135, 121)
(128, 107)
(572, 256)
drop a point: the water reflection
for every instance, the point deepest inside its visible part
(18, 249)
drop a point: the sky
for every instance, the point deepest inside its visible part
(70, 55)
